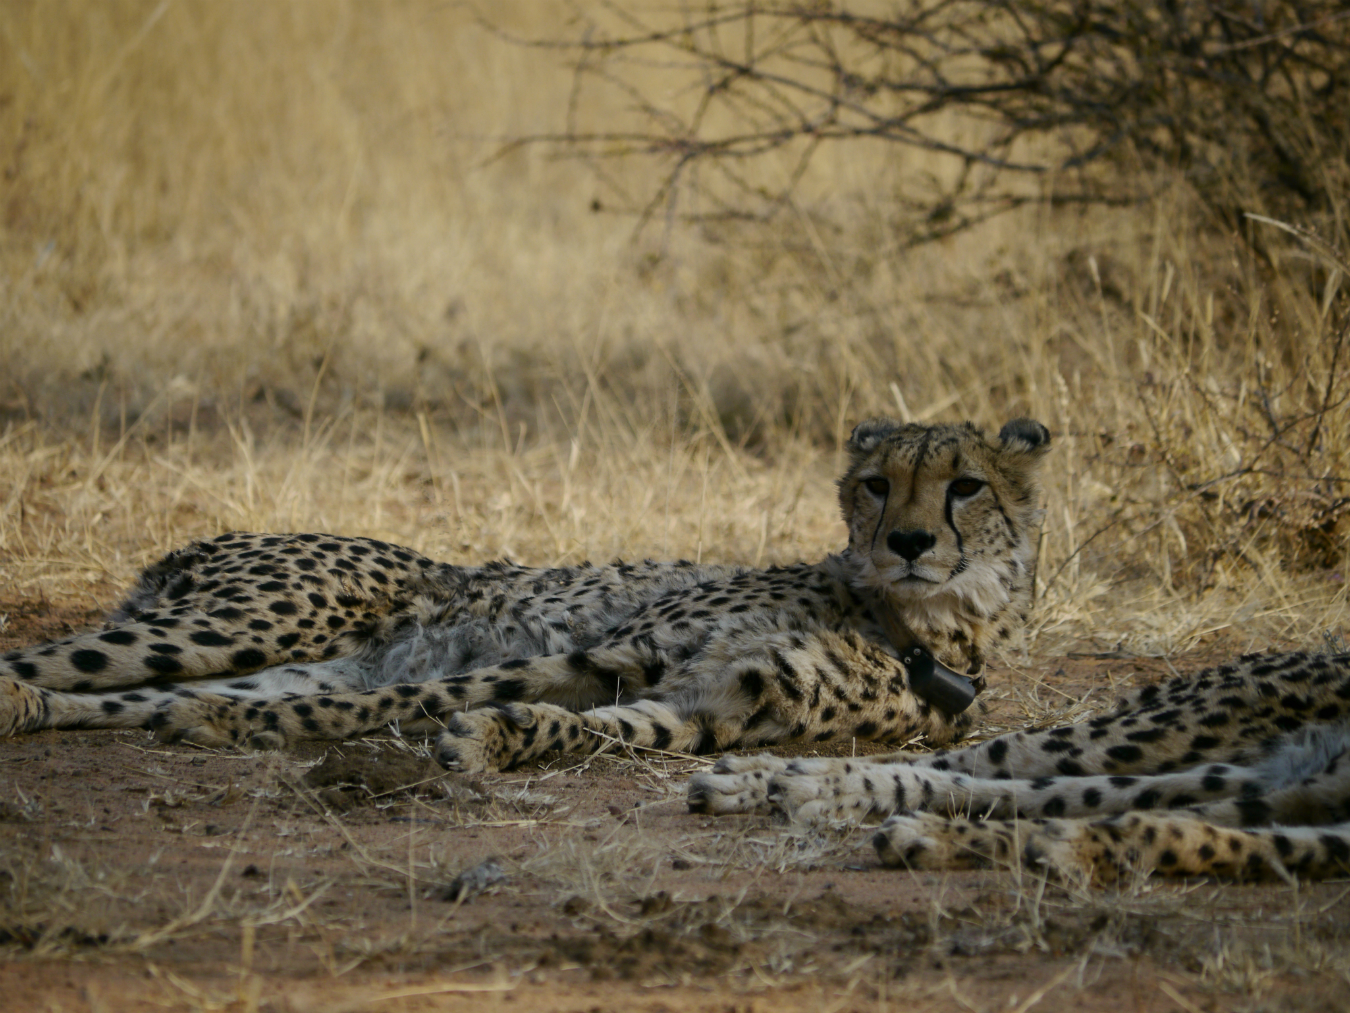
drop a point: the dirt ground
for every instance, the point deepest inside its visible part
(139, 876)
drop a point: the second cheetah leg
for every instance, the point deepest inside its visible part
(740, 784)
(1319, 799)
(822, 790)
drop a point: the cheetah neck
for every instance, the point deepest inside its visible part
(900, 620)
(887, 613)
(927, 677)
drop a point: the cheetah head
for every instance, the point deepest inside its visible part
(942, 525)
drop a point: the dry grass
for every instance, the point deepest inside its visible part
(262, 272)
(259, 270)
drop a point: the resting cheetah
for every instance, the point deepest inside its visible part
(266, 639)
(1248, 760)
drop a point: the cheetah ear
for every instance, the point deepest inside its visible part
(868, 434)
(1025, 436)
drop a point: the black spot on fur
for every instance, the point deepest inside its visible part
(661, 736)
(1125, 754)
(752, 684)
(509, 689)
(89, 661)
(1146, 799)
(1252, 812)
(1336, 848)
(249, 657)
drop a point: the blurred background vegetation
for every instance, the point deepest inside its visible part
(557, 280)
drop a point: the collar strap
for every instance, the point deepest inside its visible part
(928, 678)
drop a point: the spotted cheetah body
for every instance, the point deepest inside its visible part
(1241, 771)
(265, 639)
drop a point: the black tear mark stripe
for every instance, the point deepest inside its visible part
(881, 517)
(960, 542)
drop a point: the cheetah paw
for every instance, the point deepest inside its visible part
(930, 841)
(719, 794)
(22, 708)
(481, 740)
(733, 764)
(903, 841)
(825, 791)
(206, 719)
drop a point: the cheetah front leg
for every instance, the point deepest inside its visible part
(741, 784)
(810, 789)
(736, 784)
(503, 736)
(576, 680)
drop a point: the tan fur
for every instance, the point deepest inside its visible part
(265, 639)
(1250, 761)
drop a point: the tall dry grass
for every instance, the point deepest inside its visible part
(261, 269)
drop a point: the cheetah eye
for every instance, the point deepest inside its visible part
(964, 487)
(877, 486)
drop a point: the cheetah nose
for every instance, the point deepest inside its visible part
(910, 544)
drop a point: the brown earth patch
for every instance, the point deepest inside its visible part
(138, 876)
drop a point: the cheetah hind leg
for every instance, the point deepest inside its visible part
(1179, 844)
(1108, 850)
(931, 841)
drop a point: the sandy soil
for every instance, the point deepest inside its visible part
(138, 876)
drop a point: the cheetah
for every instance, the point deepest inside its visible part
(263, 640)
(1241, 772)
